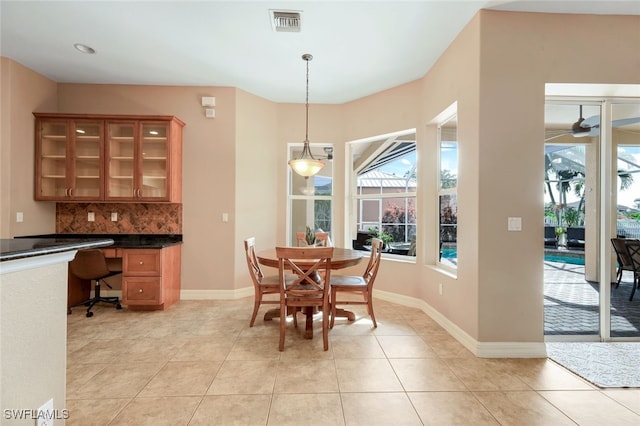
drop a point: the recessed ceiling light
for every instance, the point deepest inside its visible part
(84, 48)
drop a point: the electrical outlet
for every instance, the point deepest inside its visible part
(45, 414)
(114, 216)
(19, 217)
(91, 217)
(440, 288)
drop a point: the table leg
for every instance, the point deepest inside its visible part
(271, 314)
(343, 313)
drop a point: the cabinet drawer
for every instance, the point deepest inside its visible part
(139, 291)
(141, 262)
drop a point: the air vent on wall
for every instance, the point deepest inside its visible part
(286, 21)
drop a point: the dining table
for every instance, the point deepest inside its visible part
(341, 258)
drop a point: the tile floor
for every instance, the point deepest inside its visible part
(199, 363)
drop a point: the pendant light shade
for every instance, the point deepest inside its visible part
(306, 165)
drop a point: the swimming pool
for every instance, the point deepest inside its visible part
(572, 258)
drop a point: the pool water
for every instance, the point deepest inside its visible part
(564, 259)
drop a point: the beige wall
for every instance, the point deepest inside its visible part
(23, 91)
(495, 70)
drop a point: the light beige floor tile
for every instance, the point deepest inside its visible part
(185, 378)
(79, 374)
(203, 348)
(522, 408)
(450, 408)
(352, 347)
(117, 381)
(394, 327)
(591, 408)
(151, 350)
(168, 411)
(405, 347)
(318, 409)
(426, 374)
(446, 346)
(305, 376)
(347, 328)
(84, 412)
(98, 351)
(260, 348)
(485, 374)
(543, 374)
(296, 346)
(366, 375)
(244, 377)
(378, 409)
(232, 410)
(630, 398)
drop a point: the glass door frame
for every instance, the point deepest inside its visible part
(606, 209)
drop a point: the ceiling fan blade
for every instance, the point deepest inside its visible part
(564, 133)
(625, 121)
(594, 120)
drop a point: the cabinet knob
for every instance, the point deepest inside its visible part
(139, 290)
(141, 262)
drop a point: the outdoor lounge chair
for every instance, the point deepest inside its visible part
(575, 237)
(550, 238)
(624, 262)
(633, 248)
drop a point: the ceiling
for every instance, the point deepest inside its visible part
(359, 47)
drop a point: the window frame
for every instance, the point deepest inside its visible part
(355, 198)
(446, 117)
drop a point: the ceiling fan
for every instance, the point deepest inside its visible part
(591, 126)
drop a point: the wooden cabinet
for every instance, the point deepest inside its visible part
(108, 158)
(69, 159)
(151, 277)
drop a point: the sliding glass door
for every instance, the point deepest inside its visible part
(592, 194)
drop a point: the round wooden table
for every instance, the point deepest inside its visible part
(342, 258)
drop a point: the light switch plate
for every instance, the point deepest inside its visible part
(514, 224)
(91, 217)
(114, 216)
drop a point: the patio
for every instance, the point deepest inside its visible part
(571, 303)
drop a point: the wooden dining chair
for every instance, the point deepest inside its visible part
(359, 285)
(310, 289)
(323, 239)
(262, 285)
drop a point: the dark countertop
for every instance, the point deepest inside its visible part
(19, 248)
(132, 241)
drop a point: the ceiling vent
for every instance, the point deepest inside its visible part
(286, 21)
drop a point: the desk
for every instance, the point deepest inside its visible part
(342, 258)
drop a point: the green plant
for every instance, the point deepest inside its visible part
(310, 236)
(571, 216)
(560, 230)
(376, 233)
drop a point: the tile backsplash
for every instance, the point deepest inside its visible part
(132, 218)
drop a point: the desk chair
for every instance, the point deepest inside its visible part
(362, 285)
(91, 265)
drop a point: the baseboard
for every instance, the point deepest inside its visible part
(479, 349)
(238, 293)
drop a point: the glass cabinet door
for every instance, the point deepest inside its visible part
(54, 138)
(87, 159)
(121, 160)
(154, 160)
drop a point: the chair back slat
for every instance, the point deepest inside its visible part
(633, 250)
(252, 260)
(374, 261)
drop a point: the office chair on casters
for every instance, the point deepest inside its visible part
(91, 265)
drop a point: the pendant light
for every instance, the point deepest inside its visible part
(307, 165)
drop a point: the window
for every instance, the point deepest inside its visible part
(384, 189)
(310, 199)
(448, 193)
